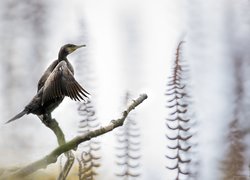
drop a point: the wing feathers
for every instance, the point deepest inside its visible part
(76, 94)
(61, 82)
(77, 91)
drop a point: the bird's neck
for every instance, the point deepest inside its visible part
(62, 56)
(63, 59)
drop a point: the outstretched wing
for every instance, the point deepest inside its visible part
(46, 74)
(60, 83)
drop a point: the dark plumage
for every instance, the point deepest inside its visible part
(57, 82)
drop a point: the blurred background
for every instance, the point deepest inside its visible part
(131, 47)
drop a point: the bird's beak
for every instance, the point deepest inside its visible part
(80, 46)
(72, 49)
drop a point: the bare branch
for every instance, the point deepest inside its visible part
(73, 144)
(54, 126)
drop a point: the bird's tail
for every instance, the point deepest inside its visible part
(17, 116)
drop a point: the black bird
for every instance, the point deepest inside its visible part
(57, 82)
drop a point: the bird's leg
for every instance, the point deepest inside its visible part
(46, 119)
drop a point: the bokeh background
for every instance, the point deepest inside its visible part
(131, 46)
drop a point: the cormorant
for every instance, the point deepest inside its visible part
(57, 82)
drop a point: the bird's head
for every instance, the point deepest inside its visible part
(68, 49)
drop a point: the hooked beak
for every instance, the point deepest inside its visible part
(72, 49)
(80, 46)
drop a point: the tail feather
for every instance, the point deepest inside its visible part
(19, 115)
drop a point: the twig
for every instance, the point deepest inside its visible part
(67, 166)
(73, 144)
